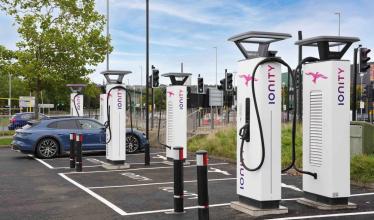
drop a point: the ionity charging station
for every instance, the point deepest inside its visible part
(176, 114)
(259, 125)
(326, 123)
(114, 106)
(76, 99)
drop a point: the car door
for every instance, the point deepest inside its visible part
(64, 129)
(92, 134)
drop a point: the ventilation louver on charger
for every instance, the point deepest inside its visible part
(315, 123)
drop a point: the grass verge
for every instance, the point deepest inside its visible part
(362, 169)
(222, 143)
(5, 141)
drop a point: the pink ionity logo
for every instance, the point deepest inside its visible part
(170, 93)
(247, 78)
(316, 76)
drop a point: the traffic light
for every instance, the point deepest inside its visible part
(229, 86)
(223, 84)
(200, 85)
(155, 77)
(364, 66)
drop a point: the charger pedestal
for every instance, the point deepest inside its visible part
(115, 104)
(76, 99)
(326, 124)
(259, 191)
(176, 114)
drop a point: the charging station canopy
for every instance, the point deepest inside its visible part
(324, 43)
(76, 87)
(177, 78)
(115, 76)
(262, 38)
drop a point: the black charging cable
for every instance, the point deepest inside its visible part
(75, 105)
(246, 126)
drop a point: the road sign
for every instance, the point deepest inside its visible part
(362, 105)
(215, 97)
(46, 105)
(26, 101)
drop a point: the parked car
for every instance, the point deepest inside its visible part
(49, 137)
(20, 119)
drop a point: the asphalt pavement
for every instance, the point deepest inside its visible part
(32, 188)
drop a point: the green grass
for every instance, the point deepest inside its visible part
(362, 168)
(287, 145)
(222, 143)
(5, 141)
(7, 133)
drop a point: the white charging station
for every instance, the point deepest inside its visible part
(176, 113)
(259, 190)
(76, 99)
(115, 104)
(326, 119)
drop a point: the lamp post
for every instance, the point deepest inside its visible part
(107, 34)
(10, 95)
(216, 67)
(338, 14)
(361, 92)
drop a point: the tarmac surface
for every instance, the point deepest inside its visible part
(32, 188)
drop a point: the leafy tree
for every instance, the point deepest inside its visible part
(60, 40)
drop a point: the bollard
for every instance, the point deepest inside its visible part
(72, 150)
(178, 180)
(78, 152)
(202, 184)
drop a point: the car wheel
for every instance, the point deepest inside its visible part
(47, 148)
(132, 143)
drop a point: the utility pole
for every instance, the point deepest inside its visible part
(338, 13)
(107, 34)
(299, 80)
(355, 68)
(141, 93)
(147, 153)
(216, 68)
(10, 95)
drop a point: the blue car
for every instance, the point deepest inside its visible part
(20, 119)
(49, 137)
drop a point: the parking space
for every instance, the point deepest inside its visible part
(142, 192)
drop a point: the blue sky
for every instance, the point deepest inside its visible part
(187, 30)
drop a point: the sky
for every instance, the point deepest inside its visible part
(188, 30)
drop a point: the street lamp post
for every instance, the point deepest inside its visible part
(107, 34)
(361, 92)
(216, 67)
(10, 95)
(338, 13)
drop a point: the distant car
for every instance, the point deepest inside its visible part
(49, 138)
(20, 119)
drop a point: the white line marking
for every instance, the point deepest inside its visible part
(96, 161)
(41, 161)
(169, 210)
(96, 196)
(291, 187)
(216, 170)
(326, 216)
(61, 168)
(145, 168)
(153, 184)
(362, 194)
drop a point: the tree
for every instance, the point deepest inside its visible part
(60, 40)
